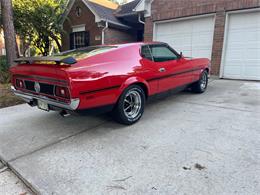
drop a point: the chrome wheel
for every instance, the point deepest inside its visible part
(204, 81)
(132, 104)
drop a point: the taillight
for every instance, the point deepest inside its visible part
(62, 92)
(19, 83)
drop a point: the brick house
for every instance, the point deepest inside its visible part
(226, 31)
(2, 44)
(94, 22)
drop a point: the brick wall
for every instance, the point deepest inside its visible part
(87, 18)
(171, 9)
(112, 35)
(115, 36)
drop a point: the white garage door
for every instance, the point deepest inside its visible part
(194, 37)
(241, 59)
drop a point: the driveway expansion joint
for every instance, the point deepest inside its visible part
(58, 141)
(215, 106)
(7, 166)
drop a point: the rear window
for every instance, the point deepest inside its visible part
(83, 53)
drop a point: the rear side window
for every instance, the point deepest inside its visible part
(146, 52)
(162, 53)
(86, 52)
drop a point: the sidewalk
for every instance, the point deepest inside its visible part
(10, 184)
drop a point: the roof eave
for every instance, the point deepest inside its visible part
(119, 25)
(127, 14)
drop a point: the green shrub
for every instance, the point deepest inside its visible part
(4, 70)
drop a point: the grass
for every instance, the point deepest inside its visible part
(7, 98)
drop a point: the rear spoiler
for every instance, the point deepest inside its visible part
(56, 59)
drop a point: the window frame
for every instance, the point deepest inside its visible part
(149, 52)
(162, 45)
(74, 38)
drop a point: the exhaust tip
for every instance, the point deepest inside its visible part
(64, 113)
(32, 103)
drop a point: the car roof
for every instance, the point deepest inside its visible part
(137, 44)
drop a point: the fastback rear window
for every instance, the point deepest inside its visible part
(83, 53)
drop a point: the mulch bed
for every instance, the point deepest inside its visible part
(7, 98)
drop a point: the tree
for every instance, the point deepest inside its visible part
(38, 22)
(9, 32)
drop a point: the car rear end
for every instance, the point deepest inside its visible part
(65, 82)
(45, 85)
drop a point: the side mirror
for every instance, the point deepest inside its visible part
(181, 55)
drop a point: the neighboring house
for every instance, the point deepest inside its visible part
(2, 43)
(94, 22)
(226, 31)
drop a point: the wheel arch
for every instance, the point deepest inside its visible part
(135, 81)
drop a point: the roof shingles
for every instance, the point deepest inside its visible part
(105, 13)
(127, 9)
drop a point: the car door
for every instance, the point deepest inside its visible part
(172, 69)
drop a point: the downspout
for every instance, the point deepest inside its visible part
(103, 33)
(140, 20)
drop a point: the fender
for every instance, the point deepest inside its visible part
(131, 81)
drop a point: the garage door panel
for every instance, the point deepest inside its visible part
(247, 20)
(233, 71)
(201, 39)
(236, 36)
(201, 52)
(253, 35)
(235, 54)
(165, 29)
(242, 46)
(252, 53)
(193, 37)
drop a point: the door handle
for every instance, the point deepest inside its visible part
(162, 70)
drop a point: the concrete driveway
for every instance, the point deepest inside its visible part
(184, 144)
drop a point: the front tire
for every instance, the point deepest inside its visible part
(201, 85)
(130, 106)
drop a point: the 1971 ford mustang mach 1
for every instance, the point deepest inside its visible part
(117, 78)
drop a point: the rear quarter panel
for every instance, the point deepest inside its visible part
(101, 79)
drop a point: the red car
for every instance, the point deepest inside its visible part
(117, 78)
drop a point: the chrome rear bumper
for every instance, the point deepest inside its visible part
(73, 105)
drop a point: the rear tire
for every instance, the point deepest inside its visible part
(130, 106)
(201, 85)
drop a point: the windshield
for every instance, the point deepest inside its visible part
(83, 53)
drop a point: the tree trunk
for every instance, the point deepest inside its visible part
(9, 32)
(57, 42)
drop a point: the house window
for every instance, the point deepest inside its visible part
(78, 11)
(79, 40)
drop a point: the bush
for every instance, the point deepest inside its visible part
(4, 70)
